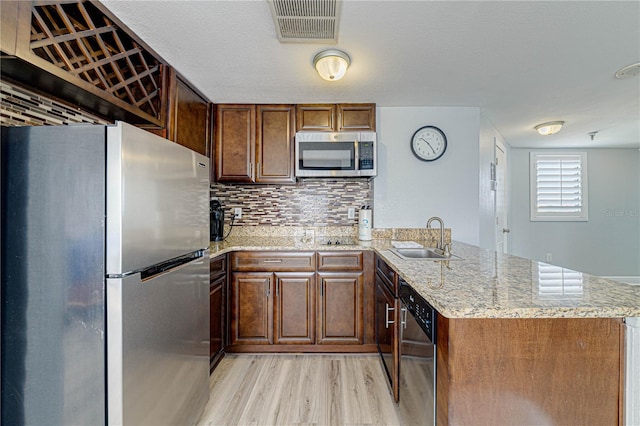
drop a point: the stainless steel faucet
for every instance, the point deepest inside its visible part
(441, 246)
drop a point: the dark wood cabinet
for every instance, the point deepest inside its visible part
(294, 308)
(316, 117)
(251, 308)
(217, 311)
(336, 117)
(272, 298)
(188, 121)
(340, 308)
(387, 323)
(234, 143)
(275, 137)
(254, 143)
(301, 301)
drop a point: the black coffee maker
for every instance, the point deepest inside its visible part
(217, 221)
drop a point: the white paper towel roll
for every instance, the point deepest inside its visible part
(364, 225)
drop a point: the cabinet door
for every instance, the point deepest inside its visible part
(217, 307)
(356, 117)
(251, 310)
(188, 116)
(235, 143)
(216, 315)
(340, 311)
(387, 317)
(274, 144)
(294, 308)
(317, 117)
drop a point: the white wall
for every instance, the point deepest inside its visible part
(408, 191)
(609, 243)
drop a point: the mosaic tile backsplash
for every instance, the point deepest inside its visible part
(22, 107)
(311, 202)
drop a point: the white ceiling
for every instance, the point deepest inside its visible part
(521, 62)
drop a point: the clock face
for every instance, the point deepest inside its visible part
(428, 143)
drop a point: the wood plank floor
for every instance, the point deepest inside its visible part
(300, 389)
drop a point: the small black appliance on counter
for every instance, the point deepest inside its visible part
(217, 221)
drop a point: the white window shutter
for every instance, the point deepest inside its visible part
(558, 186)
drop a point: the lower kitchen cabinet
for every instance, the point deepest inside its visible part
(294, 308)
(300, 301)
(251, 310)
(387, 323)
(272, 308)
(340, 309)
(217, 302)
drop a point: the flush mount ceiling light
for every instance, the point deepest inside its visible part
(331, 64)
(629, 71)
(550, 128)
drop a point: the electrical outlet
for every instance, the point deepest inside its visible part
(549, 257)
(351, 213)
(309, 235)
(237, 212)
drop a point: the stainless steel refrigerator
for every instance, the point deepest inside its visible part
(105, 268)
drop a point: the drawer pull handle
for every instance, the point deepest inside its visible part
(386, 316)
(272, 261)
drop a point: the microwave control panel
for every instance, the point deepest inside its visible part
(367, 156)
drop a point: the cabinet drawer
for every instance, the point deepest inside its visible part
(340, 261)
(273, 261)
(217, 267)
(387, 275)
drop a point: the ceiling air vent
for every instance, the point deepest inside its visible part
(306, 21)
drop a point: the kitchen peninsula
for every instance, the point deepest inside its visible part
(512, 346)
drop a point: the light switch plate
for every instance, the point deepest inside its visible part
(351, 213)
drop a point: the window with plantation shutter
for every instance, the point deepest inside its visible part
(558, 186)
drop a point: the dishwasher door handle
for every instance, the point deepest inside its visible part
(403, 317)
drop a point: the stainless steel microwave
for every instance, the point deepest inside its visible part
(341, 154)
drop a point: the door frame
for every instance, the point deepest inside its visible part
(499, 145)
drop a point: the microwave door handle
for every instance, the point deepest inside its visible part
(356, 156)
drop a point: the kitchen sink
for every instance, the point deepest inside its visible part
(422, 253)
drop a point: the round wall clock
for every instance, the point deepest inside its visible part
(428, 143)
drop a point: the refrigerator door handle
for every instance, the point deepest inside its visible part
(169, 265)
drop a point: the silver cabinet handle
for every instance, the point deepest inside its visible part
(386, 315)
(403, 320)
(272, 261)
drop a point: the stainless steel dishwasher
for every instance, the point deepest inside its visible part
(417, 358)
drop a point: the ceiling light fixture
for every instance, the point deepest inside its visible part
(629, 71)
(550, 128)
(331, 64)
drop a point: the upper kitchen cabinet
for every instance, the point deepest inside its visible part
(79, 52)
(254, 143)
(336, 118)
(235, 143)
(188, 115)
(275, 134)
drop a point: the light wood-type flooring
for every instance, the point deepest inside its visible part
(297, 389)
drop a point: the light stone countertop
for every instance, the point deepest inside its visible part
(484, 284)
